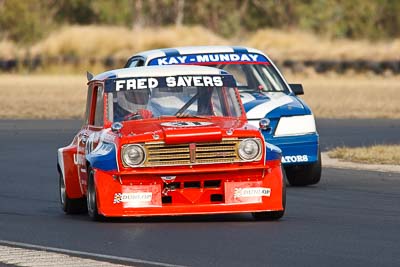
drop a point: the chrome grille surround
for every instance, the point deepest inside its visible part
(160, 154)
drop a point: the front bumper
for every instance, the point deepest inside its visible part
(297, 150)
(189, 193)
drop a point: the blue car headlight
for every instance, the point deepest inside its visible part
(295, 125)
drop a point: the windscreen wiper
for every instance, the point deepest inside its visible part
(191, 101)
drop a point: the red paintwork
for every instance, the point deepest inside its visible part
(72, 190)
(190, 135)
(187, 200)
(148, 183)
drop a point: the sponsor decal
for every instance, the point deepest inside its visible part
(136, 196)
(296, 158)
(245, 192)
(127, 84)
(252, 192)
(210, 58)
(194, 81)
(135, 83)
(186, 123)
(132, 197)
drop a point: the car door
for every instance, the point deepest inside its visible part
(89, 136)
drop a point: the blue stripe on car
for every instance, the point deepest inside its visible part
(238, 49)
(250, 105)
(170, 52)
(106, 161)
(273, 152)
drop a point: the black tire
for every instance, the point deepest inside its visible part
(70, 205)
(303, 175)
(91, 198)
(274, 215)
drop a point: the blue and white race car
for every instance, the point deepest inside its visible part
(270, 102)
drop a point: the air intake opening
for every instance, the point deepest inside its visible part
(217, 198)
(166, 199)
(191, 184)
(212, 184)
(173, 186)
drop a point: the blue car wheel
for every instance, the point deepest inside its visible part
(307, 174)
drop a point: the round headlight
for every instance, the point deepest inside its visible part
(249, 149)
(133, 155)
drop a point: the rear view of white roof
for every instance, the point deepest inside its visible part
(189, 50)
(159, 71)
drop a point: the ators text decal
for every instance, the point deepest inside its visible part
(297, 158)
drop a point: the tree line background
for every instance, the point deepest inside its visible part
(25, 21)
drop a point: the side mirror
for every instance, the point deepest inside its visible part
(89, 76)
(297, 88)
(116, 127)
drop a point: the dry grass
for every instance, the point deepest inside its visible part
(43, 97)
(379, 154)
(352, 96)
(302, 45)
(101, 41)
(46, 96)
(94, 43)
(8, 50)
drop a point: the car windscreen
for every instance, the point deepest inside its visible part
(255, 77)
(179, 102)
(252, 71)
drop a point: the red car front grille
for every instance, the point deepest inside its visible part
(160, 154)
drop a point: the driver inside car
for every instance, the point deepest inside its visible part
(131, 105)
(145, 104)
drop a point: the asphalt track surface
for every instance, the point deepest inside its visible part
(351, 218)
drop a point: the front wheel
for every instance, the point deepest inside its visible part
(274, 215)
(70, 205)
(302, 175)
(91, 197)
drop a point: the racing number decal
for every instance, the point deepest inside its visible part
(185, 123)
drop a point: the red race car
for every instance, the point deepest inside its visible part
(169, 141)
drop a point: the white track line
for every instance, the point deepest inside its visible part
(41, 255)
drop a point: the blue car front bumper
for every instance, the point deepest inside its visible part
(296, 150)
